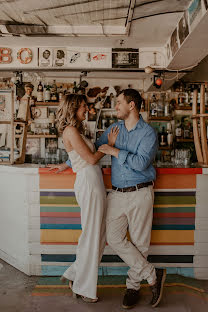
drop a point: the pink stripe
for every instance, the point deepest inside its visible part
(48, 220)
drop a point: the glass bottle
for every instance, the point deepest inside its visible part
(61, 93)
(167, 106)
(40, 92)
(163, 137)
(178, 131)
(47, 93)
(153, 106)
(54, 94)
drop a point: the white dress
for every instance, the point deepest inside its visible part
(91, 196)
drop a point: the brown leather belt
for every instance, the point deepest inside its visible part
(132, 188)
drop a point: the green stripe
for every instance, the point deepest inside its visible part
(58, 200)
(174, 200)
(59, 209)
(175, 209)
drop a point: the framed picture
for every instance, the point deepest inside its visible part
(59, 57)
(183, 29)
(33, 147)
(125, 58)
(45, 57)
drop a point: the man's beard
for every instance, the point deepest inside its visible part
(123, 116)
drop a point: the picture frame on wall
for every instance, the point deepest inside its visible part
(125, 58)
(45, 57)
(59, 57)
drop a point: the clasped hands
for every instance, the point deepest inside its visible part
(109, 148)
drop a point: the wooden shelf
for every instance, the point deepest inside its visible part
(47, 136)
(6, 122)
(47, 103)
(165, 147)
(178, 107)
(184, 140)
(164, 118)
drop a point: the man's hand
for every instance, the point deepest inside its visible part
(112, 136)
(109, 150)
(60, 167)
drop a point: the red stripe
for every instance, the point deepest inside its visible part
(179, 170)
(60, 214)
(174, 214)
(47, 171)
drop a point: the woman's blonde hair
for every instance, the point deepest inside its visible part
(66, 112)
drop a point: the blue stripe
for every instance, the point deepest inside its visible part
(105, 271)
(60, 226)
(173, 227)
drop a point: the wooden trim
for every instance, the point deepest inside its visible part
(196, 130)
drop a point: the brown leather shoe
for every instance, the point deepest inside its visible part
(157, 289)
(130, 299)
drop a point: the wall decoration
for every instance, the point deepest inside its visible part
(183, 29)
(33, 147)
(92, 113)
(74, 57)
(59, 57)
(5, 55)
(174, 42)
(45, 57)
(195, 13)
(125, 58)
(24, 55)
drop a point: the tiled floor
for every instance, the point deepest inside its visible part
(16, 289)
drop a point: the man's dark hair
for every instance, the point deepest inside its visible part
(133, 95)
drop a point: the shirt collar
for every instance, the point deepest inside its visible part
(138, 125)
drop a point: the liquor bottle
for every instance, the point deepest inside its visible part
(153, 106)
(178, 131)
(40, 92)
(61, 93)
(54, 94)
(163, 137)
(167, 112)
(47, 93)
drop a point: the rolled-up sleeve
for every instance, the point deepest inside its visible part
(122, 157)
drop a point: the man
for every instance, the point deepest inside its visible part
(130, 204)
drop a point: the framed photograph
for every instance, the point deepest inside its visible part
(2, 102)
(59, 57)
(51, 145)
(174, 42)
(45, 57)
(125, 58)
(183, 29)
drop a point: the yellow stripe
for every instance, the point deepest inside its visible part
(158, 236)
(172, 236)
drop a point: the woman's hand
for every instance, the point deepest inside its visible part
(112, 136)
(109, 150)
(60, 167)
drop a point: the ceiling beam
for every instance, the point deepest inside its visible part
(129, 16)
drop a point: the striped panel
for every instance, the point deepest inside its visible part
(175, 181)
(173, 211)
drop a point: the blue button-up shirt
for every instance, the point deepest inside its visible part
(138, 148)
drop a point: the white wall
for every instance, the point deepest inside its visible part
(18, 190)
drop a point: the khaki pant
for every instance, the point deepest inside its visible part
(132, 211)
(91, 197)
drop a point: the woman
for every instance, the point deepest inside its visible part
(90, 194)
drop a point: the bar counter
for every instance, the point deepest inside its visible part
(40, 221)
